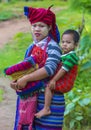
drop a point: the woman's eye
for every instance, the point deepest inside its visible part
(33, 25)
(41, 26)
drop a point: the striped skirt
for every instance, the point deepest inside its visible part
(54, 121)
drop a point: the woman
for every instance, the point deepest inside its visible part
(45, 35)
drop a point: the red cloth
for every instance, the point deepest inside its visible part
(43, 15)
(66, 83)
(38, 57)
(27, 110)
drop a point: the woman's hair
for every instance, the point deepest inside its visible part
(75, 34)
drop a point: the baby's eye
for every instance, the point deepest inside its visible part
(63, 41)
(68, 41)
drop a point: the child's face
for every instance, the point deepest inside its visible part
(39, 30)
(67, 43)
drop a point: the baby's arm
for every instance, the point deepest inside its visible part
(52, 83)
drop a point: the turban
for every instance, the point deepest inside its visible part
(43, 15)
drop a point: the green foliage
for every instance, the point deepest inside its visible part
(85, 52)
(81, 4)
(78, 101)
(9, 11)
(14, 8)
(1, 94)
(77, 109)
(5, 15)
(16, 50)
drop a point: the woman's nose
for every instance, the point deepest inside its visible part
(37, 28)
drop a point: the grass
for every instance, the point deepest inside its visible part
(1, 94)
(84, 128)
(15, 9)
(16, 50)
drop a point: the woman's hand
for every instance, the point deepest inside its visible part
(21, 82)
(13, 85)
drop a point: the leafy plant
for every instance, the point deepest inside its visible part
(16, 50)
(80, 4)
(6, 15)
(79, 99)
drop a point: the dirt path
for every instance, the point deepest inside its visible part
(7, 107)
(9, 28)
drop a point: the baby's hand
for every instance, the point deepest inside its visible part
(52, 84)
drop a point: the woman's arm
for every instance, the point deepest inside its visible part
(34, 76)
(54, 54)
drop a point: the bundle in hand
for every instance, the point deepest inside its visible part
(22, 68)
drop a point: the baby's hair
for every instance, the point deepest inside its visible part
(75, 34)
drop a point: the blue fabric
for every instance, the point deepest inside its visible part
(54, 121)
(26, 11)
(29, 50)
(54, 54)
(57, 35)
(51, 122)
(25, 127)
(17, 114)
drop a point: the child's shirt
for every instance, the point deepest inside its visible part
(69, 60)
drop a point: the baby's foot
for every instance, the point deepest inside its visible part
(43, 112)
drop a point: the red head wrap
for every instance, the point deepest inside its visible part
(42, 15)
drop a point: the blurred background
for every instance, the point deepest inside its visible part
(15, 37)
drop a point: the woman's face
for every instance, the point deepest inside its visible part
(39, 30)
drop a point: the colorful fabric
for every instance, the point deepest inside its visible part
(39, 56)
(54, 121)
(69, 60)
(26, 64)
(54, 53)
(66, 83)
(35, 61)
(70, 65)
(30, 64)
(43, 15)
(27, 109)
